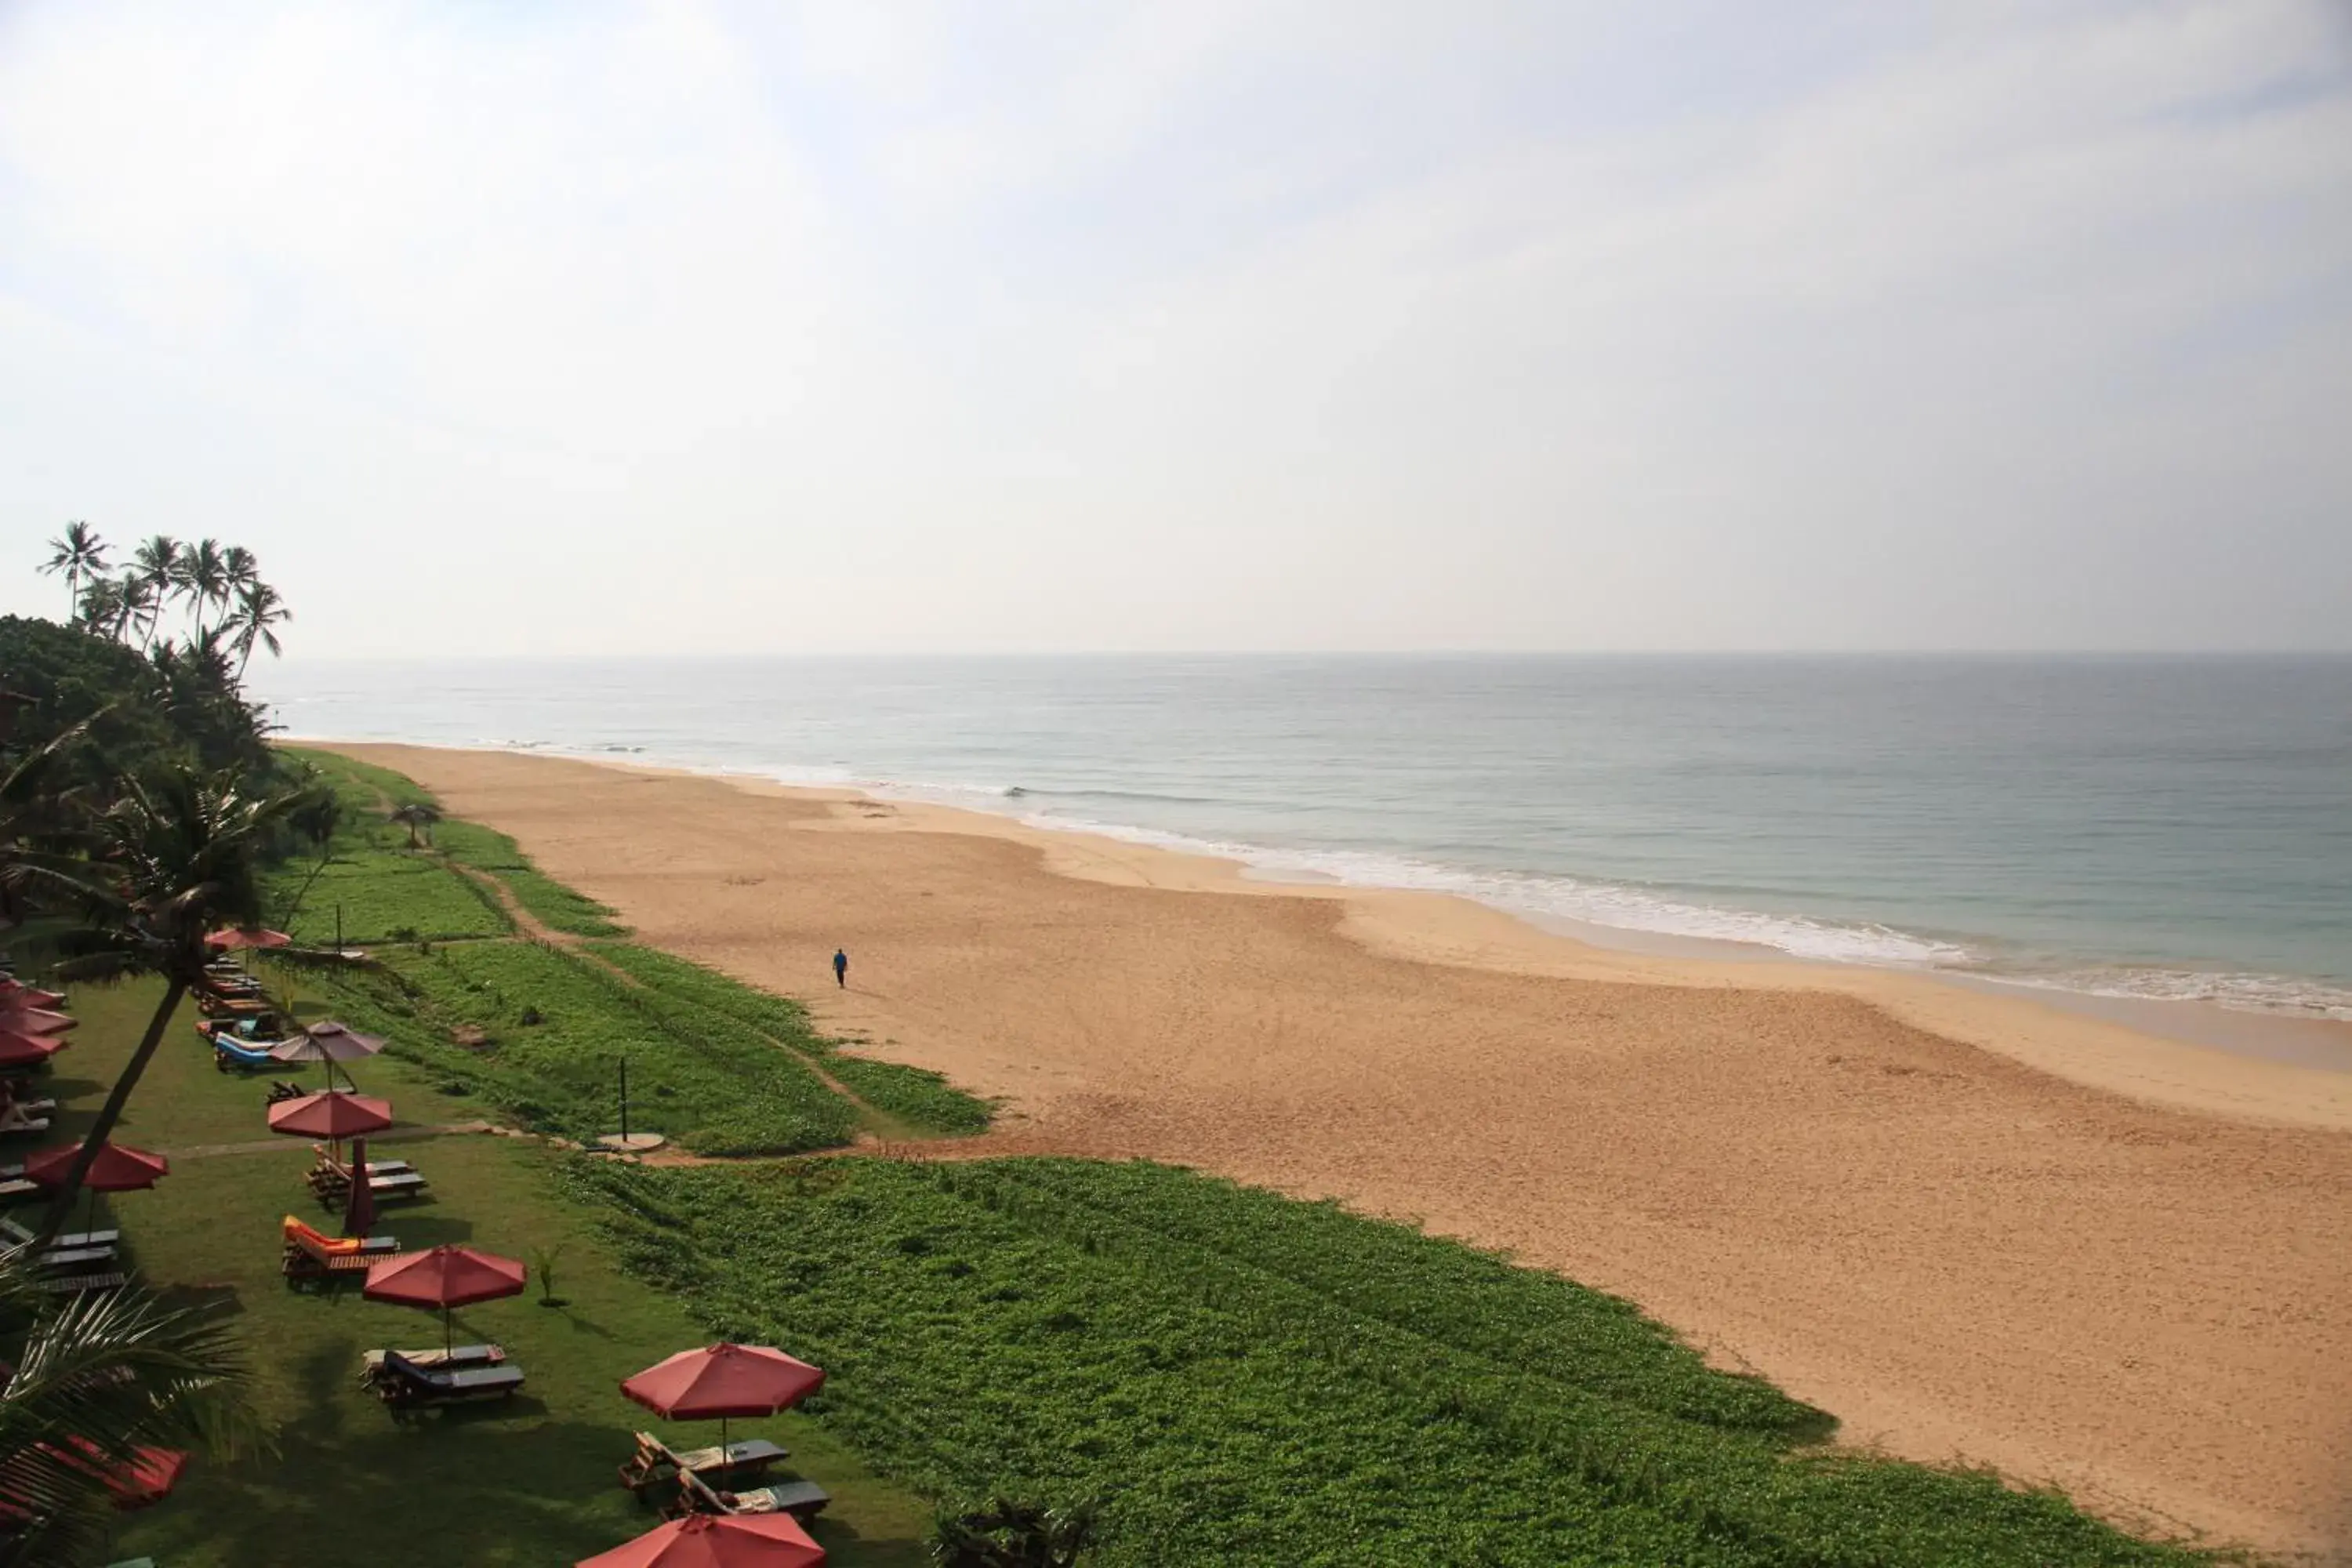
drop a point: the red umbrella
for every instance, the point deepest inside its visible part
(723, 1379)
(17, 993)
(716, 1540)
(332, 1113)
(251, 936)
(117, 1169)
(34, 1020)
(21, 1051)
(444, 1277)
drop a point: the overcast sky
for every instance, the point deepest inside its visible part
(592, 328)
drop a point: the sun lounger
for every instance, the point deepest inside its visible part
(404, 1382)
(79, 1284)
(802, 1499)
(331, 1181)
(13, 1188)
(307, 1254)
(24, 1126)
(656, 1463)
(455, 1356)
(15, 1233)
(231, 1056)
(76, 1260)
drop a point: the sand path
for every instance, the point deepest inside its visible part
(1959, 1254)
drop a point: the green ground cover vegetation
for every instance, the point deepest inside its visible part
(919, 1101)
(1234, 1377)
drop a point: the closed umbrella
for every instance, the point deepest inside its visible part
(716, 1540)
(359, 1203)
(444, 1276)
(723, 1379)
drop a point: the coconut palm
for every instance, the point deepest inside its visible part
(79, 553)
(171, 861)
(137, 601)
(201, 577)
(101, 607)
(414, 816)
(238, 562)
(93, 1378)
(156, 564)
(259, 610)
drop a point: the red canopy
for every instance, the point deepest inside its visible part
(330, 1113)
(252, 936)
(723, 1379)
(22, 1050)
(716, 1540)
(444, 1277)
(117, 1169)
(17, 993)
(34, 1020)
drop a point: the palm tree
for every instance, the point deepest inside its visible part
(137, 600)
(414, 816)
(239, 564)
(101, 609)
(259, 610)
(157, 565)
(202, 578)
(172, 861)
(94, 1378)
(80, 553)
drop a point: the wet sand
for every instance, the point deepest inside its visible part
(1973, 1226)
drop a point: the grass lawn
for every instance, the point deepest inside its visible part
(531, 1482)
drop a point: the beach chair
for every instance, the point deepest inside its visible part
(331, 1182)
(454, 1358)
(405, 1384)
(656, 1463)
(15, 1233)
(82, 1284)
(229, 1054)
(16, 1122)
(307, 1256)
(280, 1089)
(802, 1499)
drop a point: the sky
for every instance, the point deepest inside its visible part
(590, 328)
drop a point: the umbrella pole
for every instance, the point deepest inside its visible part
(448, 1338)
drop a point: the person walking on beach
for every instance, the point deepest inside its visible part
(840, 968)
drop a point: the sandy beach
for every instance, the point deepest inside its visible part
(1974, 1226)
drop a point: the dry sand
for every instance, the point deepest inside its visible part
(1973, 1226)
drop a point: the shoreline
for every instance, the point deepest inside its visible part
(2081, 1258)
(2165, 1052)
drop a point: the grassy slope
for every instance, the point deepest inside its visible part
(530, 1484)
(1243, 1378)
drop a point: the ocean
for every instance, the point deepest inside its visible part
(2154, 828)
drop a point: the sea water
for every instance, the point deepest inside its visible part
(2142, 826)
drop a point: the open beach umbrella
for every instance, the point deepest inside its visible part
(444, 1276)
(17, 993)
(329, 1041)
(35, 1020)
(23, 1050)
(716, 1540)
(332, 1113)
(722, 1380)
(117, 1169)
(249, 936)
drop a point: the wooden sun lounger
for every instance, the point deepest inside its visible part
(77, 1284)
(229, 1054)
(371, 1362)
(22, 1126)
(14, 1233)
(76, 1259)
(802, 1499)
(404, 1382)
(656, 1462)
(300, 1258)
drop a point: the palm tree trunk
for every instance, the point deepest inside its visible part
(62, 1207)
